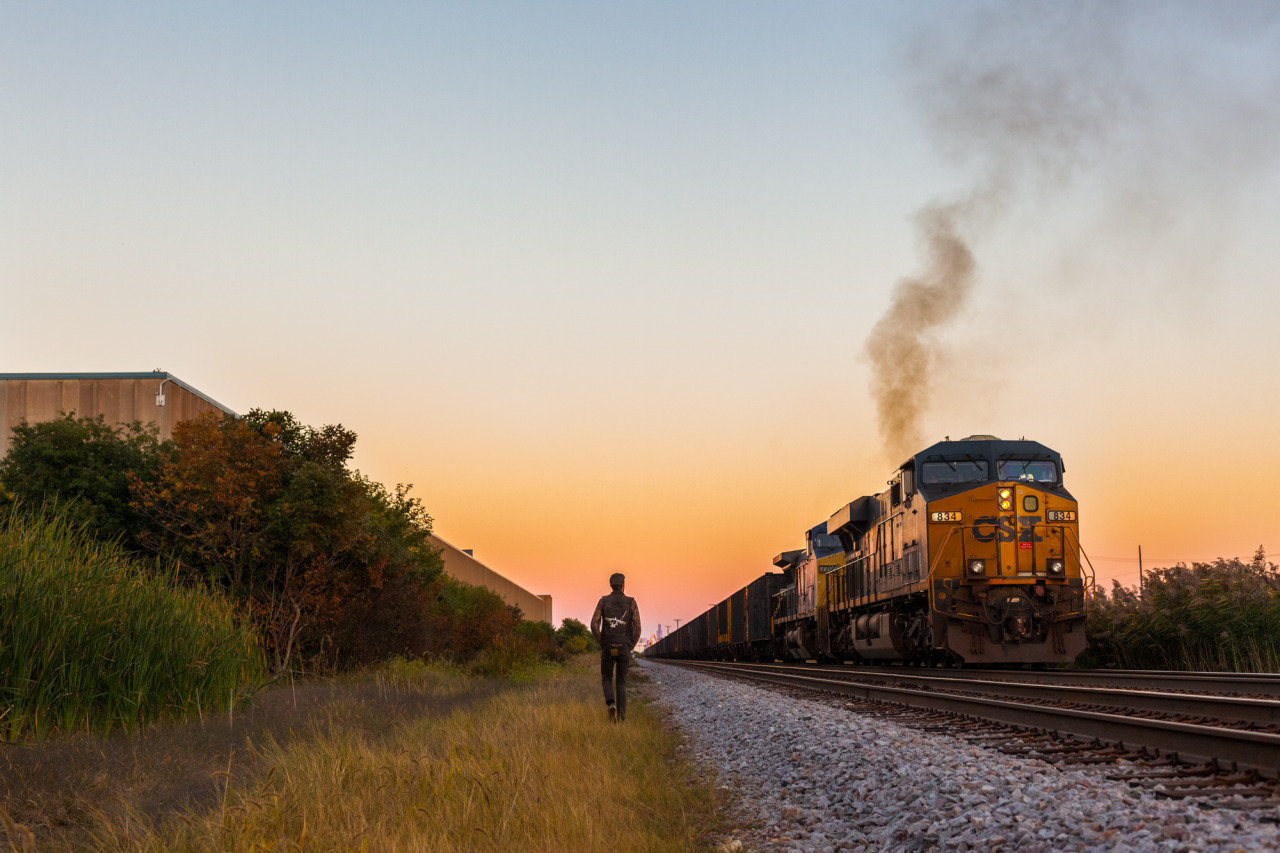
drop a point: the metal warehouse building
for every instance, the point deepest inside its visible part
(153, 398)
(462, 565)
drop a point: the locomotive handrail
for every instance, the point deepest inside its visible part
(933, 567)
(1092, 585)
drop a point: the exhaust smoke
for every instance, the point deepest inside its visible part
(1130, 103)
(901, 348)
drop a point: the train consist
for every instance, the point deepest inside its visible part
(972, 555)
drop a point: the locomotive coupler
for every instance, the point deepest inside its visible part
(1011, 614)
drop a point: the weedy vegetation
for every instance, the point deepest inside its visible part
(92, 637)
(138, 637)
(407, 756)
(1222, 616)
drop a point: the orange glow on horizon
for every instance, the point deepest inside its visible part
(689, 528)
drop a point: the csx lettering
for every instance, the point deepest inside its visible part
(989, 527)
(984, 521)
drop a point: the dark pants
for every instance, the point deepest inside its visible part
(621, 658)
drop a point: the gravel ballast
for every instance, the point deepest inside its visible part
(810, 775)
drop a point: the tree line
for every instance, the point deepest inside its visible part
(333, 569)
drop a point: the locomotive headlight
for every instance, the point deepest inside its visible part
(977, 567)
(1055, 566)
(1006, 499)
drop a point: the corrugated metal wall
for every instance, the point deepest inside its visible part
(120, 399)
(464, 567)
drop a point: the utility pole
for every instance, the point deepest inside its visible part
(677, 624)
(1139, 571)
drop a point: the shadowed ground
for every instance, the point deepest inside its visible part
(55, 788)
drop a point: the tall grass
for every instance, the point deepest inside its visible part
(90, 637)
(1222, 616)
(535, 767)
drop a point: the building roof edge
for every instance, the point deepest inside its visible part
(154, 374)
(440, 538)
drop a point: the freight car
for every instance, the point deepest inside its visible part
(738, 628)
(972, 555)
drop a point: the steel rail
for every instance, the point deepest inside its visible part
(1193, 742)
(1242, 710)
(1215, 683)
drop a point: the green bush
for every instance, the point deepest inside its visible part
(84, 464)
(575, 637)
(1222, 616)
(91, 637)
(465, 620)
(541, 637)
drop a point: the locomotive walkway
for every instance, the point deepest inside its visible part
(1191, 727)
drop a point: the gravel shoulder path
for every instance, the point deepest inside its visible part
(811, 775)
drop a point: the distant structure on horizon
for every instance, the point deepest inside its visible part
(460, 565)
(157, 398)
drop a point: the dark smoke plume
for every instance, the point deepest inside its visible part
(1019, 96)
(1036, 97)
(900, 345)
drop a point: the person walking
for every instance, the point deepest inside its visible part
(616, 627)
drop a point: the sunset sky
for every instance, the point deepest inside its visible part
(598, 279)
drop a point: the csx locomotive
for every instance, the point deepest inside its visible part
(972, 555)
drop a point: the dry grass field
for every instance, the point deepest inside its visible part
(407, 757)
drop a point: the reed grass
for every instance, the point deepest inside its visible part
(535, 767)
(1222, 616)
(90, 637)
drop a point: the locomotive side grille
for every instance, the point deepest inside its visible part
(913, 566)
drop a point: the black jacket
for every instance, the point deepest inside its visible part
(616, 622)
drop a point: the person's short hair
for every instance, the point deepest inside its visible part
(617, 579)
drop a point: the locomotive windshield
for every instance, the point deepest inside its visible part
(824, 545)
(1022, 469)
(953, 471)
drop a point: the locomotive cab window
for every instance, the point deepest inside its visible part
(825, 544)
(1027, 470)
(953, 472)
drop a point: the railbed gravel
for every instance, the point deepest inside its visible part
(811, 775)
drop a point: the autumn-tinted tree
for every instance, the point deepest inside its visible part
(210, 507)
(82, 465)
(267, 507)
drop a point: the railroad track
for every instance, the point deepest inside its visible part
(1186, 744)
(1211, 707)
(1216, 683)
